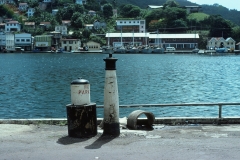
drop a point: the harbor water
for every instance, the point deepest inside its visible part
(38, 85)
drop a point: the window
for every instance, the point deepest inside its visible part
(17, 40)
(70, 42)
(28, 40)
(64, 42)
(22, 40)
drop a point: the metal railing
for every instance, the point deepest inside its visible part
(220, 105)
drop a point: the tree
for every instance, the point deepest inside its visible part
(76, 20)
(219, 27)
(107, 10)
(129, 11)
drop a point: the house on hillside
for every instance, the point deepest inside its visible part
(22, 6)
(151, 7)
(192, 9)
(81, 1)
(88, 26)
(7, 2)
(29, 26)
(92, 13)
(66, 22)
(30, 12)
(12, 26)
(62, 29)
(98, 25)
(45, 25)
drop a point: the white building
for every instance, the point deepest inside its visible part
(12, 26)
(131, 25)
(10, 44)
(62, 29)
(220, 42)
(24, 40)
(71, 44)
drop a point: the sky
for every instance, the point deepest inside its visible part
(231, 4)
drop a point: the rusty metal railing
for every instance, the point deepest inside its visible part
(220, 105)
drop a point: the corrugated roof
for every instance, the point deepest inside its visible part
(173, 36)
(152, 36)
(29, 23)
(154, 7)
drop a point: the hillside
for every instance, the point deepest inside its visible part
(232, 15)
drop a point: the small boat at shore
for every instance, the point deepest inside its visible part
(221, 50)
(121, 49)
(107, 50)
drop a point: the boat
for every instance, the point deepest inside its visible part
(158, 50)
(121, 49)
(133, 49)
(196, 50)
(146, 49)
(221, 50)
(107, 50)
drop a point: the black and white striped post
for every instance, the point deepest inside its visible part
(111, 124)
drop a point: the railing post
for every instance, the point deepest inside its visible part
(220, 111)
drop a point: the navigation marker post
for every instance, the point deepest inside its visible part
(111, 124)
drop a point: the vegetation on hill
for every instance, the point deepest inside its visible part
(171, 18)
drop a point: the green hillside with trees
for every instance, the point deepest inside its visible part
(171, 18)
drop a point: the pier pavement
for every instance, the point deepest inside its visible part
(163, 142)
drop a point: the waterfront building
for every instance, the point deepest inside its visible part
(43, 42)
(12, 26)
(70, 44)
(220, 42)
(93, 46)
(131, 25)
(56, 39)
(2, 40)
(179, 41)
(23, 40)
(2, 27)
(10, 44)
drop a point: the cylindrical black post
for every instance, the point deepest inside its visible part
(82, 120)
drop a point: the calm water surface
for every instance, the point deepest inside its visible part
(38, 85)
